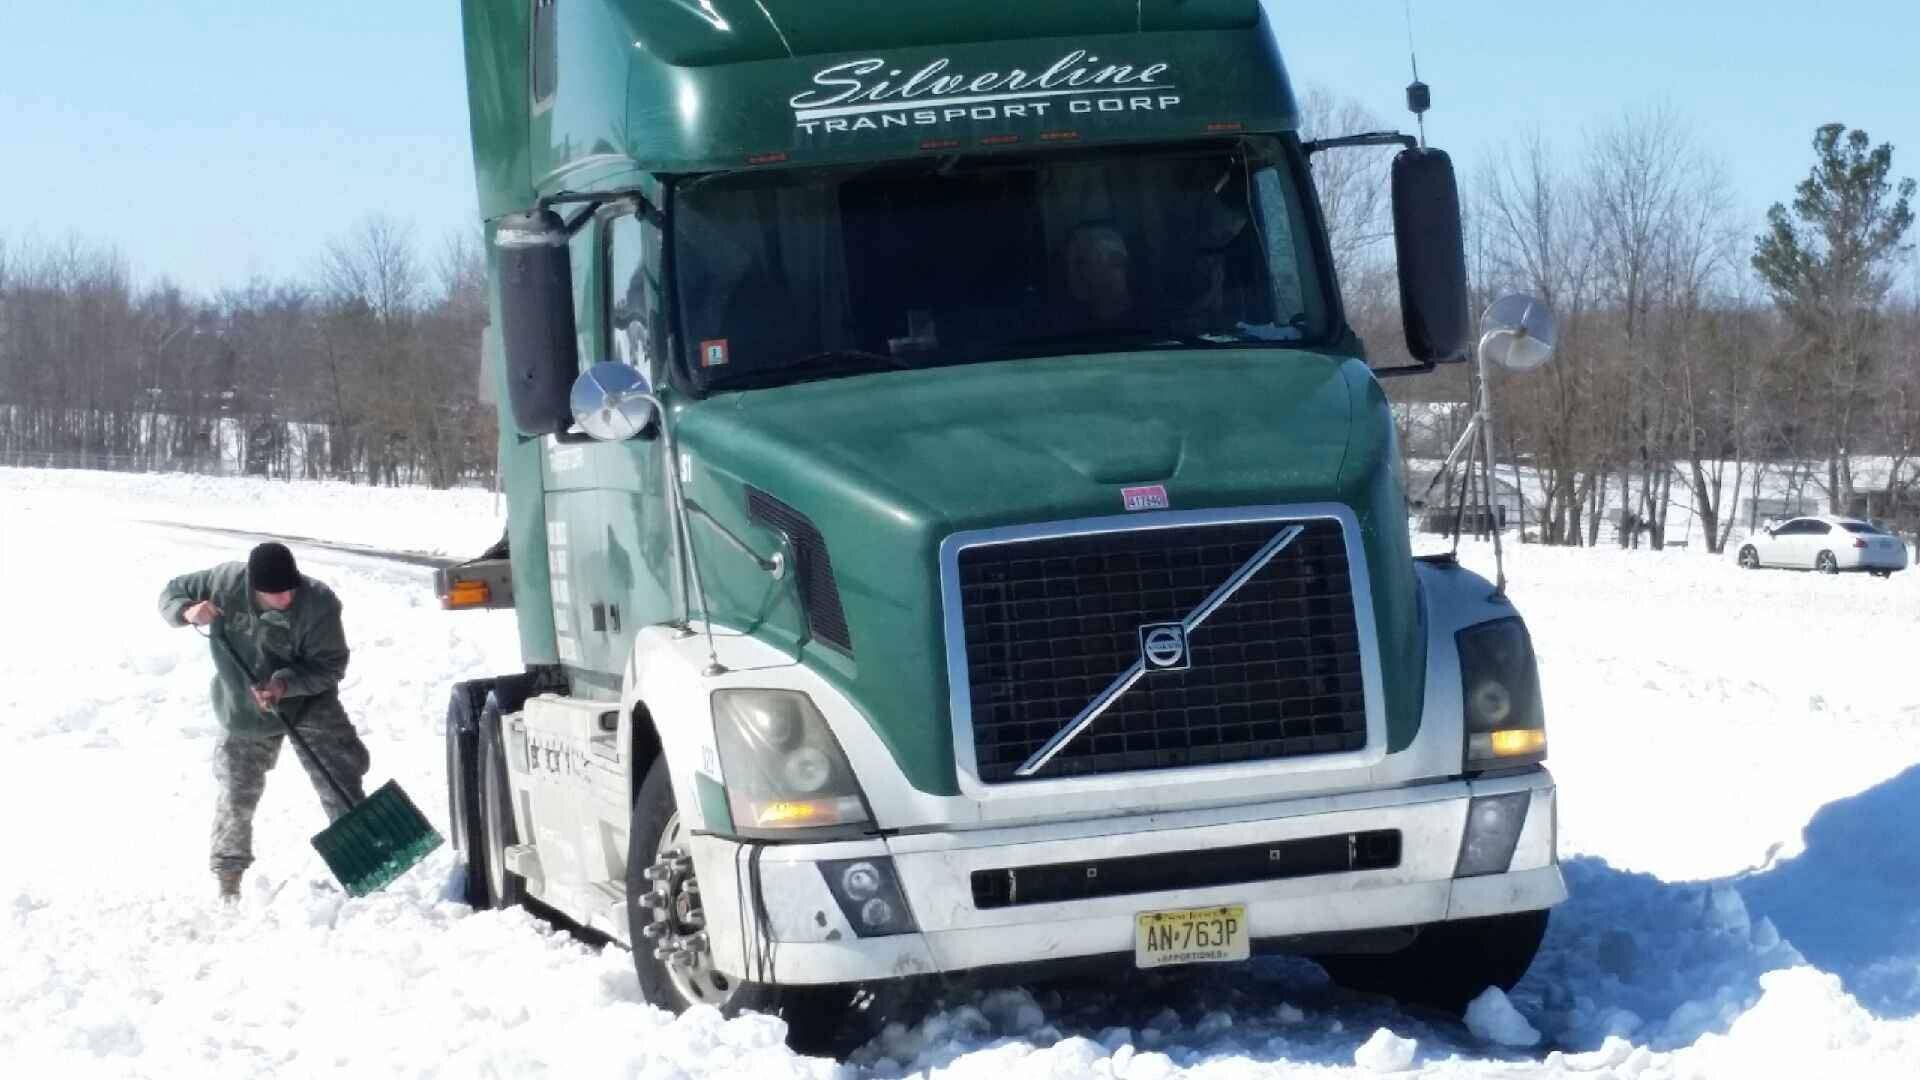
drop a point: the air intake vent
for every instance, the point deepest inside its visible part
(819, 594)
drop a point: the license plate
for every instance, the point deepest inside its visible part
(1193, 936)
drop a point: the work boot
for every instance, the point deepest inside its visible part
(229, 885)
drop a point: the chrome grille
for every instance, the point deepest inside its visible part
(1049, 623)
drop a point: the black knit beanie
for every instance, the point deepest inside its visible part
(270, 569)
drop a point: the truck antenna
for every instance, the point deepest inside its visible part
(1419, 98)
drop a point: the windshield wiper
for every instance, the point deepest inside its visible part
(1119, 335)
(847, 356)
(846, 361)
(1135, 337)
(829, 364)
(1245, 334)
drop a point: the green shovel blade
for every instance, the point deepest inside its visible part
(376, 841)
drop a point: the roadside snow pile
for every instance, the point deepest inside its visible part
(1658, 962)
(1736, 753)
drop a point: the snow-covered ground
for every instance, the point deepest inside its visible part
(1738, 755)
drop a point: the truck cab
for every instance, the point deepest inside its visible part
(952, 525)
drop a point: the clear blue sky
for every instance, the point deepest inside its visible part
(215, 140)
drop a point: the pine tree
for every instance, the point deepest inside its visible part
(1828, 264)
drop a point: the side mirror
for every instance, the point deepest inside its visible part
(612, 402)
(1432, 255)
(1517, 332)
(535, 275)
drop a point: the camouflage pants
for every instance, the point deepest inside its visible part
(241, 762)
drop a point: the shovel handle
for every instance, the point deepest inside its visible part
(219, 638)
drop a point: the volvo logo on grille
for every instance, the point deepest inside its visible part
(1164, 647)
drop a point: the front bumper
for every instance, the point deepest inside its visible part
(796, 932)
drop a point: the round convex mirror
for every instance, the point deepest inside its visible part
(1517, 332)
(612, 402)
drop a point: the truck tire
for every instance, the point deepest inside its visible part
(505, 889)
(464, 831)
(662, 912)
(1450, 963)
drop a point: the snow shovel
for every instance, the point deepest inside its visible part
(383, 836)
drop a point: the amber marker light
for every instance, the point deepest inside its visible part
(793, 813)
(466, 594)
(1516, 742)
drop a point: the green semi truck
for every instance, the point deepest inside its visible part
(952, 526)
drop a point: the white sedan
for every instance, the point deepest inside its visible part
(1828, 544)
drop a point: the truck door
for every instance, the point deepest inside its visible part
(609, 543)
(608, 531)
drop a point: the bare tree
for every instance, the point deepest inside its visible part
(1641, 173)
(1352, 183)
(375, 264)
(1529, 231)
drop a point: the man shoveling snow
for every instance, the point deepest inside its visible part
(271, 619)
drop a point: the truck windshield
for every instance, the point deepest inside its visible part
(784, 277)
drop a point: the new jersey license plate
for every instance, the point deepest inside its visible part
(1192, 936)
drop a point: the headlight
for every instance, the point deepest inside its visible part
(782, 767)
(868, 892)
(1500, 684)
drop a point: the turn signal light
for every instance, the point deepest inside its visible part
(466, 594)
(787, 813)
(1519, 741)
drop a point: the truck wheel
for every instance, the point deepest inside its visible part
(505, 889)
(463, 817)
(671, 954)
(1450, 963)
(464, 831)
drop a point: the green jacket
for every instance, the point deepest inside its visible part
(305, 646)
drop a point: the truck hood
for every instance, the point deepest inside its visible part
(936, 451)
(886, 466)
